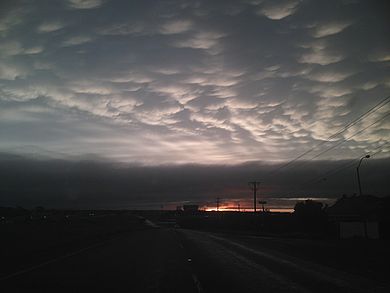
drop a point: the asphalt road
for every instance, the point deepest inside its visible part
(176, 260)
(228, 263)
(149, 260)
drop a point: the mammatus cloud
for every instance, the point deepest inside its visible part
(10, 72)
(12, 19)
(279, 9)
(163, 83)
(34, 50)
(176, 27)
(52, 26)
(321, 57)
(329, 76)
(328, 29)
(85, 4)
(123, 29)
(208, 41)
(380, 56)
(76, 40)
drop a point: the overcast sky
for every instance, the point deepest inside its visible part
(153, 83)
(171, 82)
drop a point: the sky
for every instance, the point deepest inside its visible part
(178, 83)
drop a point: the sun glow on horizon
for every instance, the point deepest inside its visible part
(229, 208)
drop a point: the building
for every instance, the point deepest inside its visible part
(357, 216)
(191, 208)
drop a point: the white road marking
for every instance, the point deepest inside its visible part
(197, 283)
(151, 224)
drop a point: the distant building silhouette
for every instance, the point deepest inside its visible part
(191, 208)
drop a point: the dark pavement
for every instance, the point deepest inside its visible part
(149, 260)
(229, 263)
(176, 260)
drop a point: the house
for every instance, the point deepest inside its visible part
(357, 216)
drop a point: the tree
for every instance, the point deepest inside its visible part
(311, 216)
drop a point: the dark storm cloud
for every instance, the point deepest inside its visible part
(224, 82)
(99, 184)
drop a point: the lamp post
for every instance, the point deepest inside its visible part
(358, 175)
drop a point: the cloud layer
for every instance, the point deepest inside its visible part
(192, 82)
(97, 184)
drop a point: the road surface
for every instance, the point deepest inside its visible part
(227, 263)
(175, 260)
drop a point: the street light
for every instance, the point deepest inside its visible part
(358, 175)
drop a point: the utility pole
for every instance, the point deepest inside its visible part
(217, 204)
(254, 185)
(358, 175)
(238, 206)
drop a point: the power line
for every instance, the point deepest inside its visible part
(377, 152)
(367, 113)
(346, 139)
(372, 110)
(344, 166)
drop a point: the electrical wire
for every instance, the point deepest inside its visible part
(344, 166)
(372, 110)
